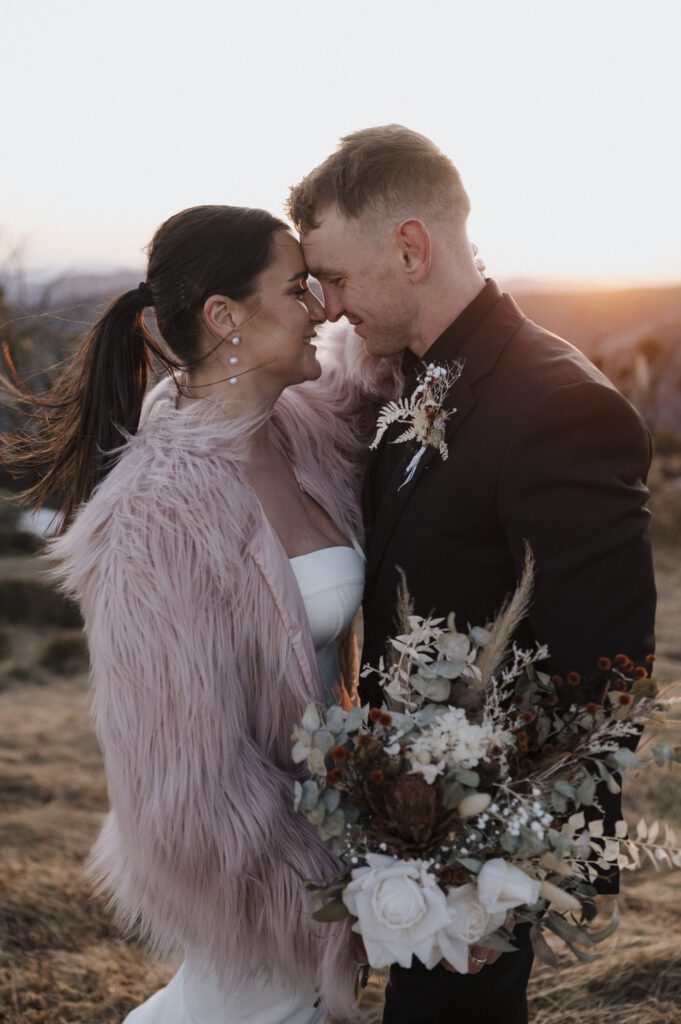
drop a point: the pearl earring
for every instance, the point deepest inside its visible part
(236, 340)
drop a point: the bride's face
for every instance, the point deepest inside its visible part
(279, 323)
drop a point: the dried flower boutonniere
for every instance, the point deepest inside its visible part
(424, 413)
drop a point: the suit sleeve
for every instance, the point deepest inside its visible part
(573, 485)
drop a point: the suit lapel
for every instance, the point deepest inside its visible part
(480, 355)
(396, 496)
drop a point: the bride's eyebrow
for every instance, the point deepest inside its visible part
(301, 275)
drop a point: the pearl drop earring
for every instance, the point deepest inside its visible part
(236, 340)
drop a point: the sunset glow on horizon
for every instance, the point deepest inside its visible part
(563, 120)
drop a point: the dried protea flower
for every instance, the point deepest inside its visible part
(408, 814)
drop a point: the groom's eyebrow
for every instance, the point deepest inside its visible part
(319, 272)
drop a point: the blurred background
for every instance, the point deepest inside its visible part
(563, 120)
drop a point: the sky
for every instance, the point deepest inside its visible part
(562, 117)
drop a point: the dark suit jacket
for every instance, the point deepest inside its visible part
(541, 447)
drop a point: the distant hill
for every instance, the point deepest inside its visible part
(48, 290)
(588, 318)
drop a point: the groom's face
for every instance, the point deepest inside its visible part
(359, 269)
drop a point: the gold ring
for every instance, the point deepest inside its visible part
(476, 960)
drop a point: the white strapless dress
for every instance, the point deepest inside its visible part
(331, 582)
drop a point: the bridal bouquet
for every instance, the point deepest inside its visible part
(469, 799)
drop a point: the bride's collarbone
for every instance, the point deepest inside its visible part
(297, 519)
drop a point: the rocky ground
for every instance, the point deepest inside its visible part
(62, 962)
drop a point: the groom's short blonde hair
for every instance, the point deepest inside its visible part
(388, 169)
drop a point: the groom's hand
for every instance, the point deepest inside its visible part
(490, 956)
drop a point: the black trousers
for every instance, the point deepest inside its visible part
(497, 995)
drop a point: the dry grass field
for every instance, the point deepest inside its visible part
(62, 962)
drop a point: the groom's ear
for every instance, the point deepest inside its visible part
(414, 245)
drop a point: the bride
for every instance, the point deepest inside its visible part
(210, 536)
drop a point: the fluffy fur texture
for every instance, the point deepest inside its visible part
(202, 661)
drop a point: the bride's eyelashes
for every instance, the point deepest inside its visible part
(301, 290)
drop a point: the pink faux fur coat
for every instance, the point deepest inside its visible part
(202, 662)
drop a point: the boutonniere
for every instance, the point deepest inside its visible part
(424, 413)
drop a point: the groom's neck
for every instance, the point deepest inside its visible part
(448, 298)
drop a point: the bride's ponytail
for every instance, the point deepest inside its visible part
(72, 428)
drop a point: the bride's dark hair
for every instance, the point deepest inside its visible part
(73, 427)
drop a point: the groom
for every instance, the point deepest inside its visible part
(541, 447)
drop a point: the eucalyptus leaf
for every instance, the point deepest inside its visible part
(467, 777)
(558, 802)
(405, 723)
(498, 942)
(324, 740)
(530, 844)
(433, 689)
(450, 669)
(333, 911)
(309, 795)
(613, 785)
(662, 752)
(586, 791)
(454, 794)
(471, 864)
(509, 843)
(566, 930)
(542, 950)
(317, 814)
(335, 718)
(333, 825)
(623, 759)
(356, 718)
(331, 800)
(310, 720)
(600, 934)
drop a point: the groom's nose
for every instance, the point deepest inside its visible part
(332, 304)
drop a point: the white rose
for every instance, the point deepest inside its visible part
(469, 922)
(400, 910)
(502, 886)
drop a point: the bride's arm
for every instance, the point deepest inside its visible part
(172, 664)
